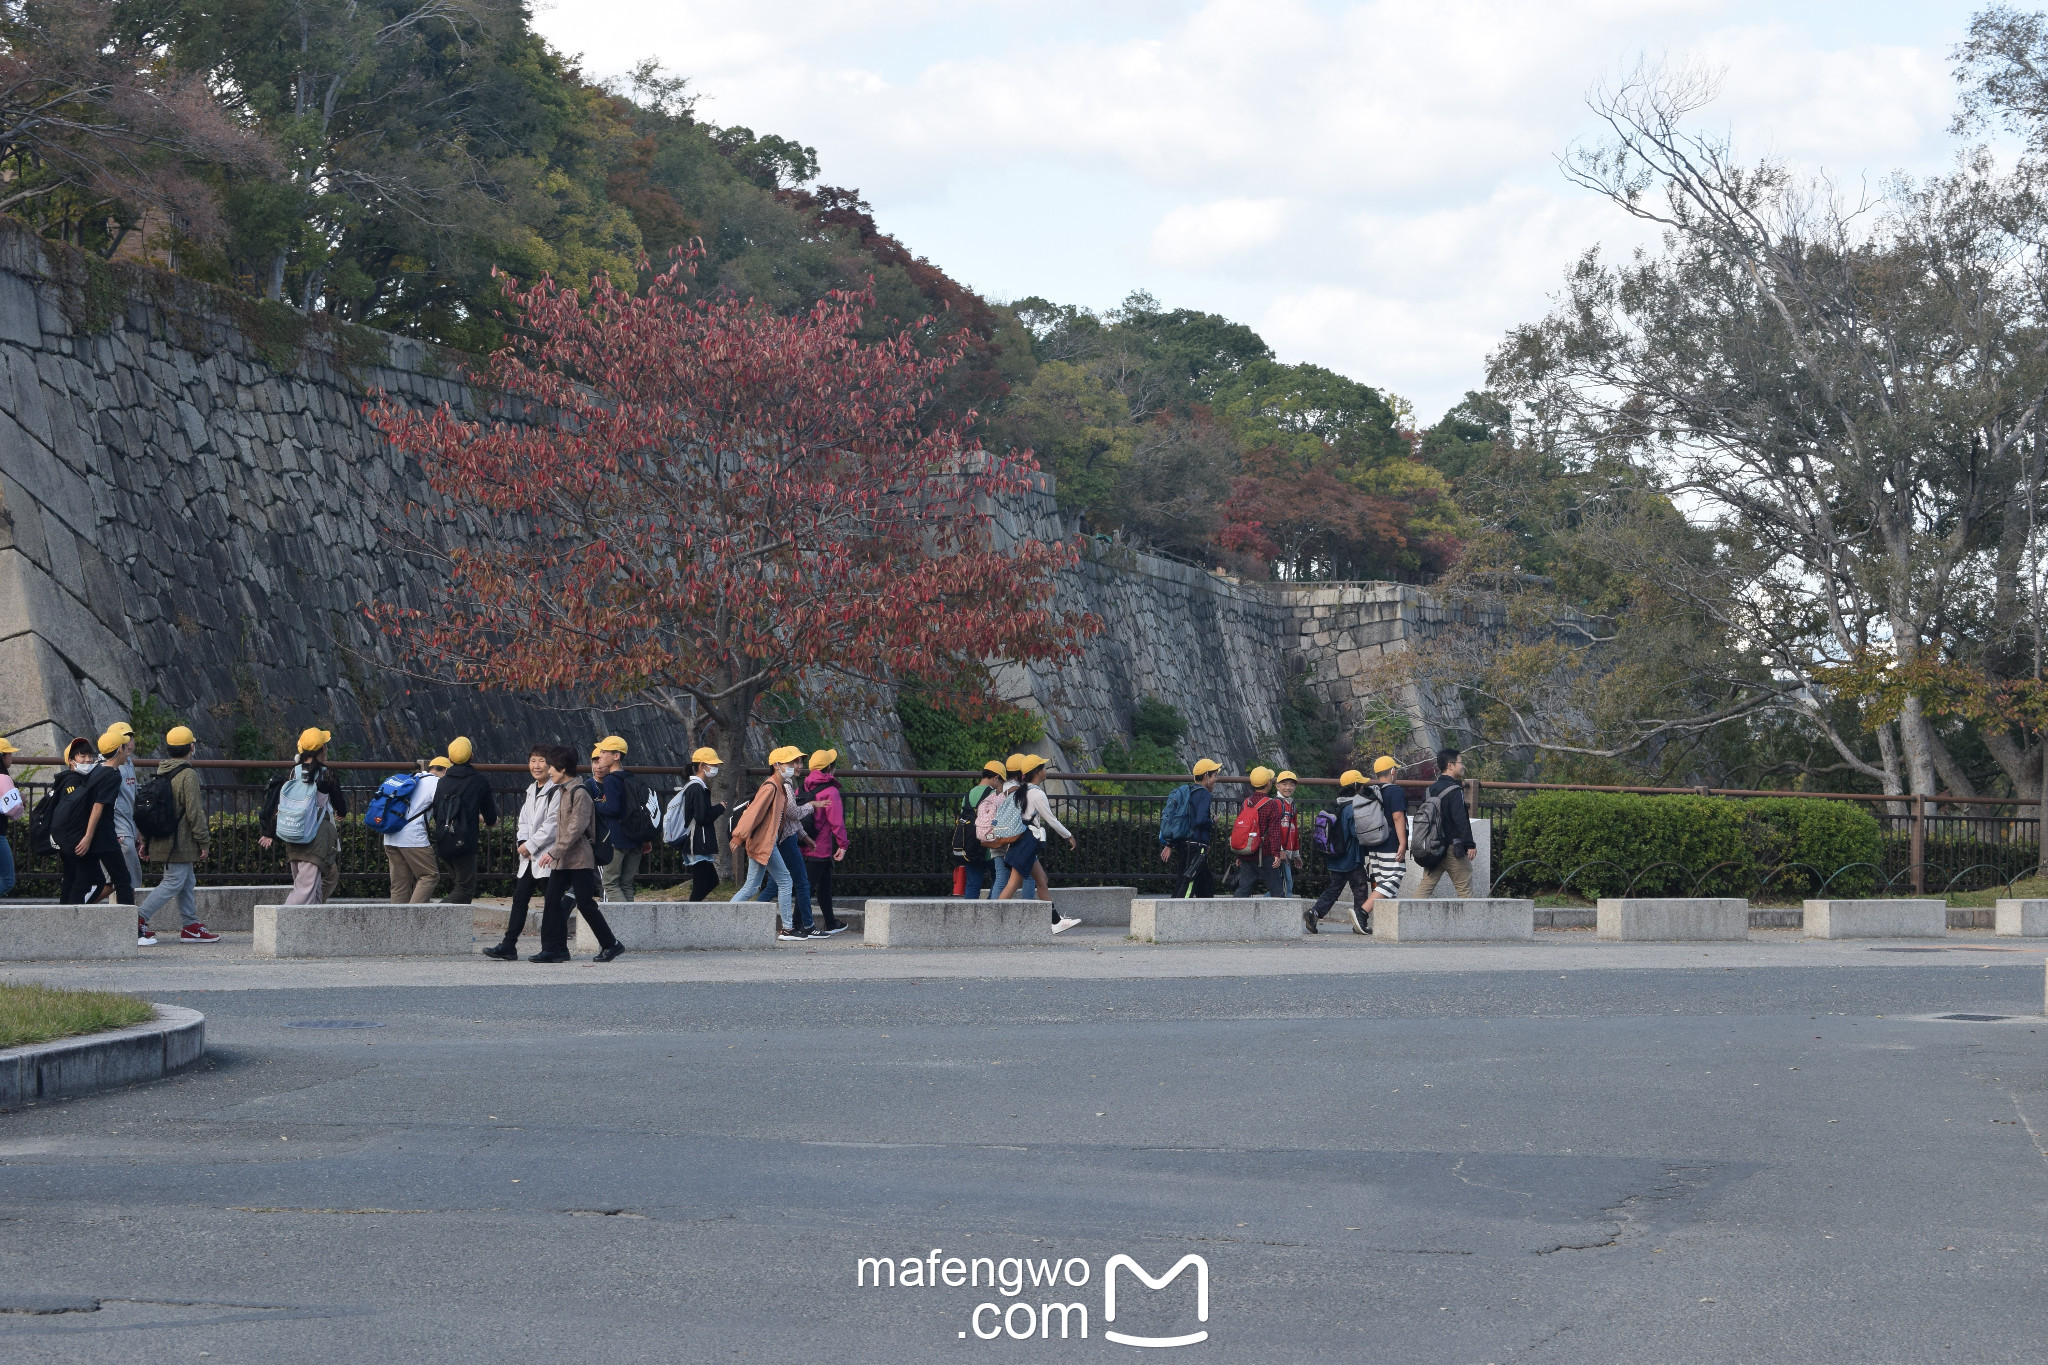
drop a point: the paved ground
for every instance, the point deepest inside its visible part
(1562, 1152)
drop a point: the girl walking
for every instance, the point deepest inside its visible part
(1022, 858)
(829, 845)
(570, 865)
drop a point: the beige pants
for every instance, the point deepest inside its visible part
(413, 874)
(1459, 870)
(316, 867)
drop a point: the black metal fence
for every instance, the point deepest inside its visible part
(901, 841)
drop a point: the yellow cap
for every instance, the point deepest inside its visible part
(995, 767)
(460, 750)
(707, 754)
(180, 734)
(1205, 766)
(111, 741)
(7, 746)
(824, 758)
(1261, 777)
(1352, 778)
(1013, 764)
(610, 744)
(1383, 764)
(312, 740)
(1287, 775)
(122, 728)
(788, 753)
(439, 765)
(1029, 764)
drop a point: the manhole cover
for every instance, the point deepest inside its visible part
(1975, 1018)
(334, 1023)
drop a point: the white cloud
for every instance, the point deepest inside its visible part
(1373, 184)
(1196, 235)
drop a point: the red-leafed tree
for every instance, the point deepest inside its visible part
(720, 502)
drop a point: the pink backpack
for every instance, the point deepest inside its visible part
(985, 816)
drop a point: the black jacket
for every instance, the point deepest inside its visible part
(1457, 819)
(701, 813)
(461, 799)
(325, 780)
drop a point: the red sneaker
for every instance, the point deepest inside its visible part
(197, 933)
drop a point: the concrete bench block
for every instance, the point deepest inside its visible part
(2020, 918)
(1481, 864)
(679, 926)
(1492, 920)
(225, 909)
(31, 933)
(363, 929)
(1876, 919)
(1672, 918)
(956, 923)
(1226, 919)
(1095, 904)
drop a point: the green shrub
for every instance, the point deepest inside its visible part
(944, 741)
(1608, 842)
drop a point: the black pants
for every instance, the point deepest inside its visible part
(1184, 854)
(99, 867)
(522, 896)
(1359, 879)
(703, 880)
(1257, 872)
(462, 870)
(554, 916)
(820, 870)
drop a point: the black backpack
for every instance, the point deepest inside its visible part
(59, 819)
(156, 808)
(634, 822)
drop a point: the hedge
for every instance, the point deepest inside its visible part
(1685, 845)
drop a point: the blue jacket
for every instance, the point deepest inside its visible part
(610, 799)
(1201, 818)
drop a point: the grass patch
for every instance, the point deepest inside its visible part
(2027, 888)
(37, 1014)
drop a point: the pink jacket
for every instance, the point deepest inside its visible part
(830, 816)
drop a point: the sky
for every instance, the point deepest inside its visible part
(1372, 186)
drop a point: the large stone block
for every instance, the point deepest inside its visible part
(1876, 919)
(1095, 904)
(1482, 869)
(1672, 918)
(1225, 919)
(2020, 918)
(31, 933)
(363, 929)
(225, 909)
(673, 926)
(1489, 920)
(956, 923)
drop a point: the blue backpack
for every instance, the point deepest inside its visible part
(1177, 821)
(386, 813)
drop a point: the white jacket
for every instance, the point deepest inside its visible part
(537, 816)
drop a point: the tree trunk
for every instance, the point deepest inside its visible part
(1914, 737)
(727, 733)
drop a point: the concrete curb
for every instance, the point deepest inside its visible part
(175, 1039)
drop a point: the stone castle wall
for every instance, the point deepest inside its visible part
(192, 511)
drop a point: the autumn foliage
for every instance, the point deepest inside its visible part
(693, 502)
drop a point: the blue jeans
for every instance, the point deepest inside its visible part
(178, 881)
(757, 879)
(1287, 880)
(792, 853)
(981, 877)
(6, 865)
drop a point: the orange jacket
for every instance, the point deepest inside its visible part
(760, 825)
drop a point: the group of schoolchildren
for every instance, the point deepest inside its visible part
(1367, 837)
(791, 836)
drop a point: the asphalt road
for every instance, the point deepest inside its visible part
(1784, 1164)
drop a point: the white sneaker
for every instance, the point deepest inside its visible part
(145, 939)
(1060, 926)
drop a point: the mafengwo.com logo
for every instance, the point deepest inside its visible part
(1037, 1294)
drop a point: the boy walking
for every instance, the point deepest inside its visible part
(184, 846)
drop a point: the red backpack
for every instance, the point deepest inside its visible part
(1244, 835)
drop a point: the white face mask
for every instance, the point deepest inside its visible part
(711, 771)
(83, 765)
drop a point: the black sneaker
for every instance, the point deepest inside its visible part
(504, 952)
(829, 930)
(1310, 922)
(549, 957)
(790, 935)
(610, 953)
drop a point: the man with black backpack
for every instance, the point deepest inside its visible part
(1186, 829)
(170, 812)
(1440, 834)
(622, 816)
(462, 799)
